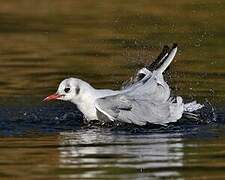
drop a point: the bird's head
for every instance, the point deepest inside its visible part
(68, 90)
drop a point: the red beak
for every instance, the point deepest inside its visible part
(52, 97)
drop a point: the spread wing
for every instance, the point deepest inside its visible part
(146, 100)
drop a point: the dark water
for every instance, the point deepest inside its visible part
(104, 42)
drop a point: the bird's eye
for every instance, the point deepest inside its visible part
(67, 90)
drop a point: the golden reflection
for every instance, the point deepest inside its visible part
(30, 157)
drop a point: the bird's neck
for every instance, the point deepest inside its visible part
(85, 101)
(87, 98)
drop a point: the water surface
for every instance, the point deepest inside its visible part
(104, 43)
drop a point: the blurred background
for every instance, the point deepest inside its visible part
(105, 42)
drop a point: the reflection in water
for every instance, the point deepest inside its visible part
(101, 154)
(98, 153)
(43, 42)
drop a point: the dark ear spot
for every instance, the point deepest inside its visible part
(77, 90)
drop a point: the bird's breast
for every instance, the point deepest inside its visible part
(88, 109)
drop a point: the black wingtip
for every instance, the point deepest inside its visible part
(157, 61)
(174, 45)
(161, 58)
(165, 48)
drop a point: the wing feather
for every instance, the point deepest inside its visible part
(146, 101)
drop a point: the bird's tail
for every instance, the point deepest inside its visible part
(167, 59)
(201, 112)
(192, 106)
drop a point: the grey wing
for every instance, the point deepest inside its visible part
(146, 101)
(139, 111)
(152, 87)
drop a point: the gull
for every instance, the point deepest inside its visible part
(144, 99)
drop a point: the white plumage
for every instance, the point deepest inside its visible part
(145, 99)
